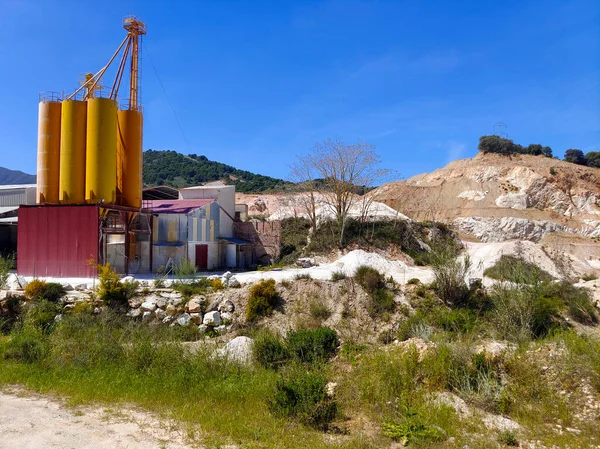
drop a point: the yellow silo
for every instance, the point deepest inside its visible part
(101, 151)
(129, 157)
(48, 151)
(72, 152)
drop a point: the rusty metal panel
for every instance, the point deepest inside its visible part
(57, 240)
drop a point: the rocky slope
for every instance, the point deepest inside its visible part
(496, 198)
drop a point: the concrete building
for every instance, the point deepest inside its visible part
(225, 197)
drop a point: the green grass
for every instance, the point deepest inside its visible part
(108, 360)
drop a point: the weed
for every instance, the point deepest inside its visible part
(6, 264)
(381, 300)
(508, 438)
(413, 281)
(413, 430)
(263, 299)
(338, 276)
(197, 287)
(185, 269)
(300, 277)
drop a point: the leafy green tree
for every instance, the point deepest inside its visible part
(593, 159)
(178, 170)
(575, 156)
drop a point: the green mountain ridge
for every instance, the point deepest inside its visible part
(178, 170)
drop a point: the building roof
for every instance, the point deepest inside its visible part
(17, 186)
(160, 193)
(8, 209)
(176, 206)
(209, 187)
(9, 220)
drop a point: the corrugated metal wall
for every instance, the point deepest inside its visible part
(15, 197)
(57, 241)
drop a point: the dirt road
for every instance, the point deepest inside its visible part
(33, 421)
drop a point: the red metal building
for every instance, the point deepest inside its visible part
(69, 240)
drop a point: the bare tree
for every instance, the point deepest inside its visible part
(303, 174)
(344, 171)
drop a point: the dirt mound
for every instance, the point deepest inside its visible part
(497, 197)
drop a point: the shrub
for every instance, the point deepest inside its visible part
(319, 310)
(459, 321)
(10, 312)
(216, 285)
(517, 270)
(111, 290)
(450, 277)
(299, 277)
(302, 395)
(313, 345)
(338, 276)
(577, 300)
(368, 278)
(382, 301)
(523, 312)
(415, 326)
(589, 277)
(270, 350)
(50, 291)
(413, 281)
(6, 264)
(263, 299)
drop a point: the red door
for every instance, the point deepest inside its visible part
(202, 257)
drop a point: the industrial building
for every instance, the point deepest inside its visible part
(11, 197)
(89, 208)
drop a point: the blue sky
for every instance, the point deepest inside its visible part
(254, 83)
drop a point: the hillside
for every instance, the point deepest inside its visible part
(8, 177)
(177, 170)
(496, 197)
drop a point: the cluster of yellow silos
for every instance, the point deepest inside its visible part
(89, 152)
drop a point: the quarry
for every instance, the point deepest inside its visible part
(454, 309)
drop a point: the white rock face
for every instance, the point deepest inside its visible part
(512, 201)
(212, 319)
(238, 350)
(506, 228)
(473, 195)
